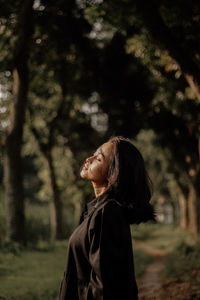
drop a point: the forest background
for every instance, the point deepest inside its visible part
(74, 73)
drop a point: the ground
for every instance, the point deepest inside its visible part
(154, 285)
(35, 272)
(151, 281)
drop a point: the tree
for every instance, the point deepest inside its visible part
(157, 36)
(57, 89)
(13, 141)
(161, 30)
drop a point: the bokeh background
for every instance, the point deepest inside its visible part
(72, 74)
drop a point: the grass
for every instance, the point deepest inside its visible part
(32, 274)
(185, 258)
(35, 273)
(161, 236)
(141, 260)
(183, 253)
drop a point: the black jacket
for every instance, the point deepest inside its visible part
(99, 262)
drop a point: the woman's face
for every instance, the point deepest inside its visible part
(96, 166)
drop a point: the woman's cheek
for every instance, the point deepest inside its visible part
(95, 171)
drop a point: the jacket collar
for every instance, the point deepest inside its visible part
(91, 206)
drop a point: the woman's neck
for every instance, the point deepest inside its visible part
(99, 189)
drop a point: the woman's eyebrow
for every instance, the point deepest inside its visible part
(99, 152)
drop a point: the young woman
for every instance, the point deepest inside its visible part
(100, 258)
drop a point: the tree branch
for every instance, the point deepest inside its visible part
(163, 35)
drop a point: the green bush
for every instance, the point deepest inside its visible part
(141, 260)
(37, 229)
(11, 247)
(38, 226)
(161, 236)
(185, 258)
(2, 217)
(32, 273)
(144, 231)
(30, 295)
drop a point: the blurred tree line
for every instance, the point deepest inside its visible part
(73, 73)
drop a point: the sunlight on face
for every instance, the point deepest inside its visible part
(96, 166)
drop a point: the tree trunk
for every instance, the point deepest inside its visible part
(14, 191)
(193, 210)
(183, 208)
(12, 162)
(46, 150)
(56, 203)
(197, 190)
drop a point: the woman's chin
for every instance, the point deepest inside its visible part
(83, 174)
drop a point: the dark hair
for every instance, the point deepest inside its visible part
(128, 181)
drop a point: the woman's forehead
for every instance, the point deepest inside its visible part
(105, 149)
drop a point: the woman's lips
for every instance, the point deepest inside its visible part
(85, 167)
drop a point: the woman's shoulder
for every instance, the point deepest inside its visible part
(109, 207)
(110, 214)
(112, 204)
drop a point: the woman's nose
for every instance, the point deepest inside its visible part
(89, 159)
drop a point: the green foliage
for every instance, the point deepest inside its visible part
(37, 229)
(34, 274)
(101, 66)
(143, 231)
(141, 260)
(186, 257)
(2, 216)
(11, 247)
(156, 162)
(38, 226)
(161, 236)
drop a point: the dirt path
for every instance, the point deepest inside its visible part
(151, 281)
(154, 286)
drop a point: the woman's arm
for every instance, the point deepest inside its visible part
(111, 258)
